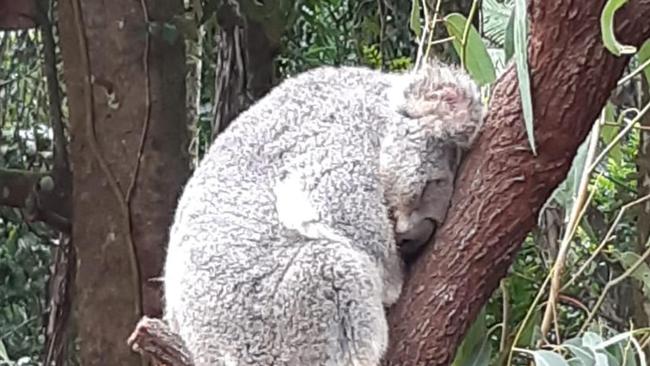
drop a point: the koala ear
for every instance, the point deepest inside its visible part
(443, 98)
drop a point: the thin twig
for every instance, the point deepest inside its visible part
(529, 314)
(620, 135)
(434, 22)
(632, 74)
(577, 211)
(505, 314)
(615, 282)
(606, 240)
(463, 54)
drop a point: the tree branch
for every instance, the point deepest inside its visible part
(153, 338)
(61, 160)
(501, 185)
(40, 195)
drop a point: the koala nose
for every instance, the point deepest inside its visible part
(411, 243)
(419, 233)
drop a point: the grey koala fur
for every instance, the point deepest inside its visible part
(283, 248)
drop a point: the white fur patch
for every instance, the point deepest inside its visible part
(296, 212)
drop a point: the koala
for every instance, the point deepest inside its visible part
(283, 249)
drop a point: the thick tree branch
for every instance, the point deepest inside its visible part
(502, 186)
(153, 338)
(41, 196)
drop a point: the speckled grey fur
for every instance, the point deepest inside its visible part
(283, 249)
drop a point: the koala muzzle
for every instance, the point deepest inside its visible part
(411, 242)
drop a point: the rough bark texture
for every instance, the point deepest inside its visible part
(17, 14)
(60, 300)
(502, 186)
(153, 338)
(246, 47)
(129, 160)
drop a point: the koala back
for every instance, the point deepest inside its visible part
(245, 285)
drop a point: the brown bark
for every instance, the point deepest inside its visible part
(502, 186)
(129, 158)
(153, 338)
(59, 297)
(246, 47)
(17, 14)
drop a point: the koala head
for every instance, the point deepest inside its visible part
(436, 113)
(422, 183)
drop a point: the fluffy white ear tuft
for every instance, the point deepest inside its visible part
(445, 100)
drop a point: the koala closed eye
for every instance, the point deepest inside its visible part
(438, 182)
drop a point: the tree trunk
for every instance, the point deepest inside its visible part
(246, 47)
(17, 14)
(129, 136)
(501, 185)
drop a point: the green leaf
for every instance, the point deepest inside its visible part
(608, 132)
(476, 348)
(531, 333)
(607, 29)
(521, 60)
(575, 362)
(509, 42)
(414, 21)
(548, 358)
(644, 55)
(641, 273)
(584, 354)
(4, 356)
(591, 339)
(496, 15)
(479, 64)
(568, 189)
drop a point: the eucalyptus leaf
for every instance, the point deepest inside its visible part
(584, 354)
(531, 333)
(479, 64)
(475, 350)
(608, 132)
(644, 55)
(523, 77)
(414, 22)
(3, 352)
(509, 42)
(548, 358)
(641, 273)
(608, 31)
(602, 359)
(591, 339)
(496, 15)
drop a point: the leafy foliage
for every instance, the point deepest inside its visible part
(25, 143)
